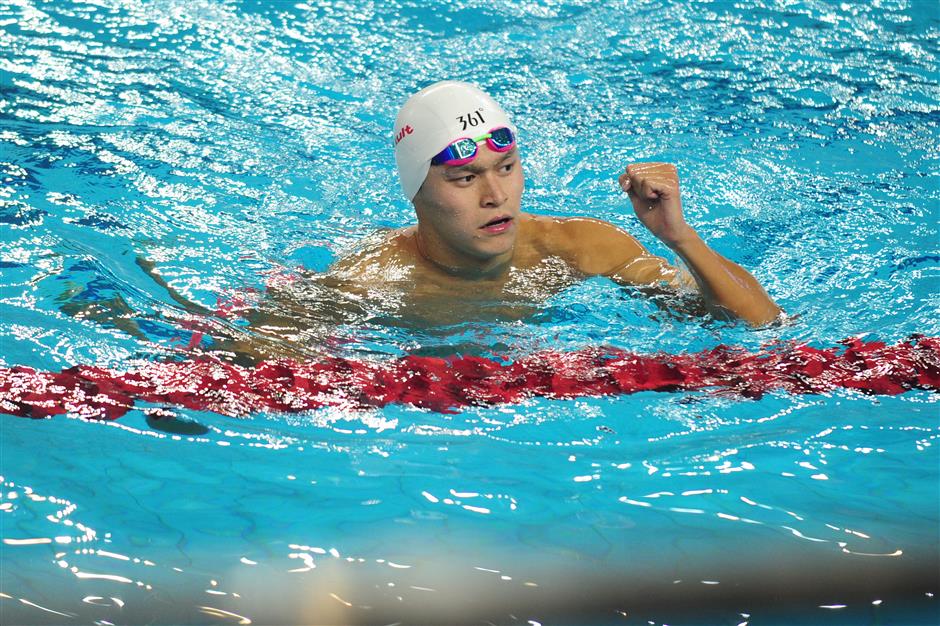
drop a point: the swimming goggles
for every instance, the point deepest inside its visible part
(464, 149)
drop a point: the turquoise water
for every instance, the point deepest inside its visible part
(229, 142)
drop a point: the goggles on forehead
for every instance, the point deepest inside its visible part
(464, 150)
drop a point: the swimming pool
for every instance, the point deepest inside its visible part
(233, 142)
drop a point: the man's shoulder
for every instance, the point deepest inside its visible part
(592, 245)
(564, 230)
(375, 254)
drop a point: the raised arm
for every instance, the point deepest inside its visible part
(727, 288)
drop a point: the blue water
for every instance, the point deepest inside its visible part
(231, 141)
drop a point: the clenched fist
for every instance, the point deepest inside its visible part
(654, 191)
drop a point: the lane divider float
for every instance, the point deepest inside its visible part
(451, 384)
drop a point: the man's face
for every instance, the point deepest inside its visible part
(468, 215)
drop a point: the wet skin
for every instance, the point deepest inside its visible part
(472, 241)
(474, 255)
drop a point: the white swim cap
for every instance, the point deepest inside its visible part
(434, 118)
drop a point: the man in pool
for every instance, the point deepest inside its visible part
(474, 254)
(459, 165)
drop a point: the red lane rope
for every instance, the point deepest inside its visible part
(447, 385)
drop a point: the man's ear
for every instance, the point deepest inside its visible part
(420, 191)
(418, 202)
(419, 206)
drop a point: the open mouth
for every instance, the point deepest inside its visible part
(498, 222)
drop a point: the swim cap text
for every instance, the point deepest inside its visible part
(473, 118)
(407, 130)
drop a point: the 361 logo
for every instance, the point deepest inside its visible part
(473, 118)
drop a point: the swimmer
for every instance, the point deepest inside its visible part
(460, 167)
(475, 255)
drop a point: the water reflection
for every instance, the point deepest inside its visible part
(214, 138)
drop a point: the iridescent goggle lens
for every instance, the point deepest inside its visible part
(464, 149)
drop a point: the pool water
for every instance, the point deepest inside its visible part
(235, 143)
